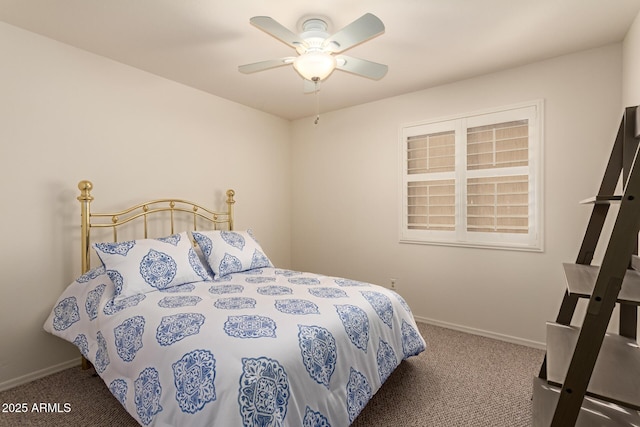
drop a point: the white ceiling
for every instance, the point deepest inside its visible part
(200, 43)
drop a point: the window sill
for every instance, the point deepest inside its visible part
(477, 245)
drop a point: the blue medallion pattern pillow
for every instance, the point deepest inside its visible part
(229, 252)
(140, 266)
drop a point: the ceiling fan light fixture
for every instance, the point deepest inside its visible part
(315, 65)
(316, 48)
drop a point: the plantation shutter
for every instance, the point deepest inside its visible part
(431, 203)
(474, 180)
(498, 203)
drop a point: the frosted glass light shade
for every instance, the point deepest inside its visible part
(315, 65)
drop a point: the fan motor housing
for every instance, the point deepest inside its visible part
(314, 33)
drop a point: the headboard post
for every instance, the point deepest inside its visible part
(230, 202)
(85, 199)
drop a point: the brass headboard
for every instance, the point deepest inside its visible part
(142, 211)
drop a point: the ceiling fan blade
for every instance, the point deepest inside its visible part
(265, 65)
(360, 30)
(361, 67)
(277, 30)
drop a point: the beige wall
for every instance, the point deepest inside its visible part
(346, 195)
(67, 115)
(631, 65)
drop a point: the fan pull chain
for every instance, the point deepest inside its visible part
(317, 93)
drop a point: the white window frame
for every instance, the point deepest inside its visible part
(530, 241)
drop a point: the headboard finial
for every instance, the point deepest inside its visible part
(85, 188)
(230, 203)
(85, 199)
(230, 194)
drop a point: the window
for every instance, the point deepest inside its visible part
(474, 180)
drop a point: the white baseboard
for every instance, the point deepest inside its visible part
(488, 334)
(15, 382)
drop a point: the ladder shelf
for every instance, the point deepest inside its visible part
(616, 371)
(591, 376)
(581, 280)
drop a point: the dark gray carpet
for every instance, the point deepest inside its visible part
(461, 380)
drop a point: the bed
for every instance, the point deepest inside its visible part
(199, 328)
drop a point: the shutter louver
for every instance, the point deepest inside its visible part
(431, 153)
(498, 145)
(431, 205)
(498, 204)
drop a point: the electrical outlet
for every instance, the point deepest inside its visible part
(392, 283)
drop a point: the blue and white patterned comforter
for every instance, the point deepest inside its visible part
(267, 347)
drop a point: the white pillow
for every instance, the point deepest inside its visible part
(229, 252)
(140, 266)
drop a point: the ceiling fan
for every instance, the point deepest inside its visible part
(319, 53)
